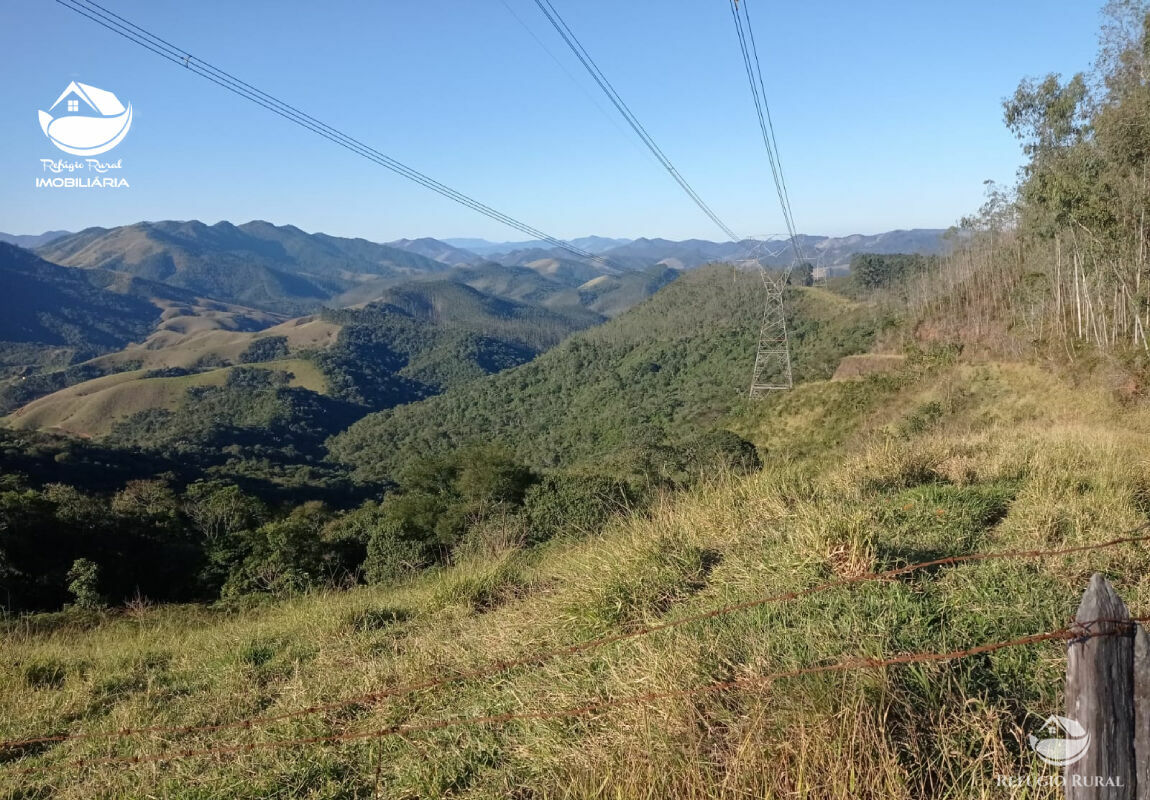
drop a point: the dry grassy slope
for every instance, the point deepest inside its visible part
(861, 475)
(183, 340)
(92, 408)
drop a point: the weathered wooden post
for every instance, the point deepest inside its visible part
(1100, 696)
(1142, 712)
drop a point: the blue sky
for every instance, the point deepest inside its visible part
(888, 115)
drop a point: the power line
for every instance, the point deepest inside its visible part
(161, 47)
(753, 67)
(767, 113)
(772, 369)
(586, 92)
(589, 64)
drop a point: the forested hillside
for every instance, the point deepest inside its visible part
(256, 264)
(53, 316)
(603, 422)
(673, 364)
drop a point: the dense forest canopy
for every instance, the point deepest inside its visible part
(241, 496)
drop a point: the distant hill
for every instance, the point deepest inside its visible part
(565, 286)
(556, 283)
(592, 244)
(285, 270)
(611, 295)
(598, 244)
(417, 340)
(837, 251)
(32, 241)
(54, 314)
(826, 251)
(93, 408)
(276, 268)
(672, 364)
(456, 305)
(686, 254)
(439, 251)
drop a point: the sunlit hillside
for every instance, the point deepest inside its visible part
(936, 459)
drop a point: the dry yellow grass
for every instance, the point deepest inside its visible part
(92, 408)
(185, 341)
(1003, 456)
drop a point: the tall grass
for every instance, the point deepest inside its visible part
(1006, 457)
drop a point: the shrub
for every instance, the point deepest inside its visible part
(921, 419)
(574, 503)
(721, 451)
(84, 584)
(391, 555)
(269, 348)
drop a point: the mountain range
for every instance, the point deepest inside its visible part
(823, 251)
(275, 268)
(592, 244)
(314, 268)
(33, 240)
(152, 297)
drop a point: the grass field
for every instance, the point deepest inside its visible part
(861, 476)
(92, 408)
(189, 340)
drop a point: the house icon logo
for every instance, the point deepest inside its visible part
(1068, 741)
(87, 122)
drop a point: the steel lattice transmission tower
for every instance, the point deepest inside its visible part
(773, 354)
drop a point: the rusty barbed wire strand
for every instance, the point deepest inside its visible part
(1075, 633)
(498, 666)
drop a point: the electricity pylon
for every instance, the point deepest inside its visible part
(773, 354)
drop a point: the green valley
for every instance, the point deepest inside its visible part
(288, 514)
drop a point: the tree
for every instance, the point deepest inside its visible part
(574, 503)
(150, 500)
(84, 584)
(1048, 116)
(269, 348)
(391, 555)
(489, 475)
(219, 509)
(802, 275)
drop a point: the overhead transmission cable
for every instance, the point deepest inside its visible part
(134, 33)
(589, 64)
(753, 67)
(570, 75)
(773, 354)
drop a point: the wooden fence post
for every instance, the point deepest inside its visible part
(1141, 713)
(1100, 696)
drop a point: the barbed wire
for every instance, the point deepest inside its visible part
(503, 666)
(499, 666)
(1076, 633)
